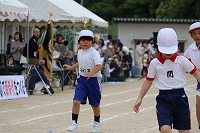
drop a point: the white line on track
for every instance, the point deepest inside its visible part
(61, 113)
(44, 105)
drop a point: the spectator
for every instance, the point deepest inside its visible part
(139, 52)
(96, 42)
(10, 60)
(17, 47)
(116, 67)
(134, 69)
(126, 59)
(35, 78)
(33, 45)
(59, 41)
(107, 70)
(150, 49)
(109, 39)
(100, 47)
(109, 51)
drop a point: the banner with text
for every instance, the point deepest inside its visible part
(12, 86)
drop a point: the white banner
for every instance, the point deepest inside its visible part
(12, 86)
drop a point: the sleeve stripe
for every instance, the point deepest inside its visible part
(151, 79)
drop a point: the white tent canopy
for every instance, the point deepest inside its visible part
(63, 11)
(80, 12)
(12, 9)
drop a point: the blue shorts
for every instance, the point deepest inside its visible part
(198, 85)
(88, 89)
(173, 109)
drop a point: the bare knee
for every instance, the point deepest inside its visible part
(166, 129)
(76, 103)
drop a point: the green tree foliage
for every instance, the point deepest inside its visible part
(107, 9)
(177, 9)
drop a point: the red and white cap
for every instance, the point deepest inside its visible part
(167, 41)
(194, 26)
(85, 33)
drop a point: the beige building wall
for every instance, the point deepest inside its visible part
(128, 33)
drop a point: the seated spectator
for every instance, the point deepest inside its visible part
(35, 78)
(57, 67)
(117, 71)
(107, 70)
(10, 60)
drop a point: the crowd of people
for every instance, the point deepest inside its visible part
(120, 63)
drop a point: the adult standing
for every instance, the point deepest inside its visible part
(33, 45)
(193, 53)
(139, 52)
(17, 47)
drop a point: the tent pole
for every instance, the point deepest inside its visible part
(27, 37)
(27, 71)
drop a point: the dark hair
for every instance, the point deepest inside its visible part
(109, 36)
(120, 45)
(10, 37)
(102, 44)
(65, 42)
(20, 36)
(58, 37)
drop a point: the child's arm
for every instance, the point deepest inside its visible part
(68, 67)
(196, 74)
(93, 71)
(145, 87)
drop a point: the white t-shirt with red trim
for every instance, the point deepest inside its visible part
(170, 73)
(193, 53)
(87, 60)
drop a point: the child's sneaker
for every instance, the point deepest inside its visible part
(96, 127)
(73, 127)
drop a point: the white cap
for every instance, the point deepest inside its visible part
(56, 54)
(194, 26)
(85, 33)
(167, 41)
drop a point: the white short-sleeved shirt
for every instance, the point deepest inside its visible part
(170, 73)
(193, 54)
(87, 60)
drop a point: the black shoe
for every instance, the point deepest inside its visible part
(30, 92)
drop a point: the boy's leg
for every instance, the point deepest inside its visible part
(184, 131)
(75, 113)
(165, 129)
(76, 107)
(96, 123)
(96, 111)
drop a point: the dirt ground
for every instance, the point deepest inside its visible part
(44, 113)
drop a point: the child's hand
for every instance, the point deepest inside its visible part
(137, 105)
(67, 67)
(87, 74)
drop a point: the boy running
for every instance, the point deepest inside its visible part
(88, 83)
(193, 53)
(168, 71)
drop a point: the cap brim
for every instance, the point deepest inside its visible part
(190, 31)
(168, 50)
